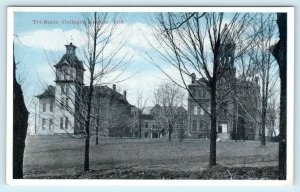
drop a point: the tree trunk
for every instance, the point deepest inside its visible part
(97, 137)
(263, 122)
(170, 132)
(279, 52)
(140, 127)
(87, 129)
(20, 123)
(213, 125)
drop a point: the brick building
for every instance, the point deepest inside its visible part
(154, 126)
(237, 103)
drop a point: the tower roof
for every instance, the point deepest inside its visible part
(70, 58)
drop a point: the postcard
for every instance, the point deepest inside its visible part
(150, 96)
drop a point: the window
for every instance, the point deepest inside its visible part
(66, 122)
(220, 129)
(61, 74)
(61, 123)
(67, 103)
(194, 125)
(43, 123)
(44, 105)
(72, 73)
(65, 74)
(50, 123)
(201, 125)
(205, 125)
(68, 74)
(195, 110)
(51, 105)
(146, 124)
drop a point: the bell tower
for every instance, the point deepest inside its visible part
(68, 90)
(227, 51)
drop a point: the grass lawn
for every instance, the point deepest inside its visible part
(53, 156)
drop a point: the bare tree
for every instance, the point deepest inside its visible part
(169, 97)
(206, 44)
(263, 69)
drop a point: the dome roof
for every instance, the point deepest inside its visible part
(70, 58)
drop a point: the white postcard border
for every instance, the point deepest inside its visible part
(105, 182)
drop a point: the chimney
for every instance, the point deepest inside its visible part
(114, 87)
(193, 75)
(125, 93)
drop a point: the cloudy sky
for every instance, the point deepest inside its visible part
(40, 44)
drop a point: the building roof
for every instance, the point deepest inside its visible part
(147, 110)
(105, 91)
(181, 109)
(202, 81)
(48, 93)
(147, 117)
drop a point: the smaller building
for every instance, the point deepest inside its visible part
(154, 126)
(112, 114)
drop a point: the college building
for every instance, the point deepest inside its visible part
(237, 103)
(63, 107)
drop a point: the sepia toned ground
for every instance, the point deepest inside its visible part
(62, 157)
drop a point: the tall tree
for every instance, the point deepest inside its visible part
(263, 65)
(100, 60)
(20, 123)
(104, 65)
(279, 51)
(201, 43)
